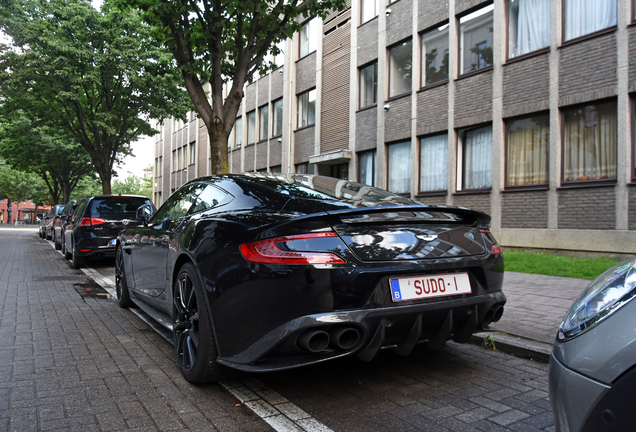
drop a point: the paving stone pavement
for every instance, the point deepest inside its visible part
(69, 363)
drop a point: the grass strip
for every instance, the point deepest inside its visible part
(557, 265)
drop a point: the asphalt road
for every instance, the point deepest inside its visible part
(458, 388)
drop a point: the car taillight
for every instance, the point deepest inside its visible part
(266, 251)
(496, 249)
(91, 221)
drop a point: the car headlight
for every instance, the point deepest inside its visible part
(606, 294)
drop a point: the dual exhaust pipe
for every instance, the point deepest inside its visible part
(493, 314)
(316, 340)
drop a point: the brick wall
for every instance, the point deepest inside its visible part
(367, 42)
(526, 86)
(397, 120)
(250, 97)
(474, 201)
(236, 161)
(587, 208)
(275, 153)
(473, 100)
(277, 83)
(248, 165)
(306, 73)
(432, 110)
(399, 25)
(463, 5)
(632, 58)
(304, 144)
(632, 208)
(587, 70)
(263, 90)
(366, 129)
(527, 209)
(261, 155)
(432, 200)
(431, 13)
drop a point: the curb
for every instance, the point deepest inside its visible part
(515, 345)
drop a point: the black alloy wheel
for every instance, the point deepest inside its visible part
(123, 296)
(193, 336)
(77, 261)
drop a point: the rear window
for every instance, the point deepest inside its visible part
(117, 205)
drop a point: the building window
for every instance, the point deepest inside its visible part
(174, 160)
(251, 127)
(193, 153)
(527, 144)
(160, 166)
(307, 108)
(367, 174)
(400, 68)
(476, 159)
(238, 132)
(435, 56)
(589, 142)
(263, 122)
(309, 35)
(528, 26)
(179, 158)
(278, 117)
(275, 169)
(368, 10)
(434, 163)
(399, 167)
(302, 168)
(369, 85)
(476, 32)
(583, 17)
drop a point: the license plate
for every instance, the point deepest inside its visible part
(418, 287)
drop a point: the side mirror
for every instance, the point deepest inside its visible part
(144, 213)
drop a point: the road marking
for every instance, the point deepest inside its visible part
(274, 409)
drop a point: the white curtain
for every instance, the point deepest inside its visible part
(367, 173)
(587, 16)
(533, 26)
(400, 167)
(478, 158)
(434, 163)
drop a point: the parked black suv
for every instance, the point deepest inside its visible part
(96, 223)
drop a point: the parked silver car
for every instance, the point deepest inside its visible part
(593, 365)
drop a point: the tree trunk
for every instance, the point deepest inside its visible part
(218, 148)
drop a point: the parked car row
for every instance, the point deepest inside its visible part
(88, 228)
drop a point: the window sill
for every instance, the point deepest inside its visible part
(249, 145)
(276, 136)
(368, 107)
(262, 141)
(588, 36)
(526, 188)
(588, 184)
(474, 191)
(527, 56)
(431, 193)
(305, 127)
(431, 86)
(473, 73)
(400, 96)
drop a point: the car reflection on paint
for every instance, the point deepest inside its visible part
(268, 272)
(593, 365)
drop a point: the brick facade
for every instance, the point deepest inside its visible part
(479, 201)
(304, 144)
(366, 129)
(473, 99)
(367, 42)
(430, 14)
(524, 209)
(587, 208)
(432, 110)
(399, 24)
(261, 155)
(306, 73)
(397, 120)
(526, 86)
(632, 208)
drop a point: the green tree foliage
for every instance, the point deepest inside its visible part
(96, 76)
(60, 161)
(133, 185)
(224, 42)
(87, 186)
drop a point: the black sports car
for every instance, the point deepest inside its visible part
(268, 272)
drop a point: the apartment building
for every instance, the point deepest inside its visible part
(523, 109)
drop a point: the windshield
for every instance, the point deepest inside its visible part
(117, 205)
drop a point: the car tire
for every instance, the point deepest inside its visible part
(58, 246)
(123, 296)
(47, 236)
(77, 261)
(192, 322)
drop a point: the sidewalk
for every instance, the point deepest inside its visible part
(535, 308)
